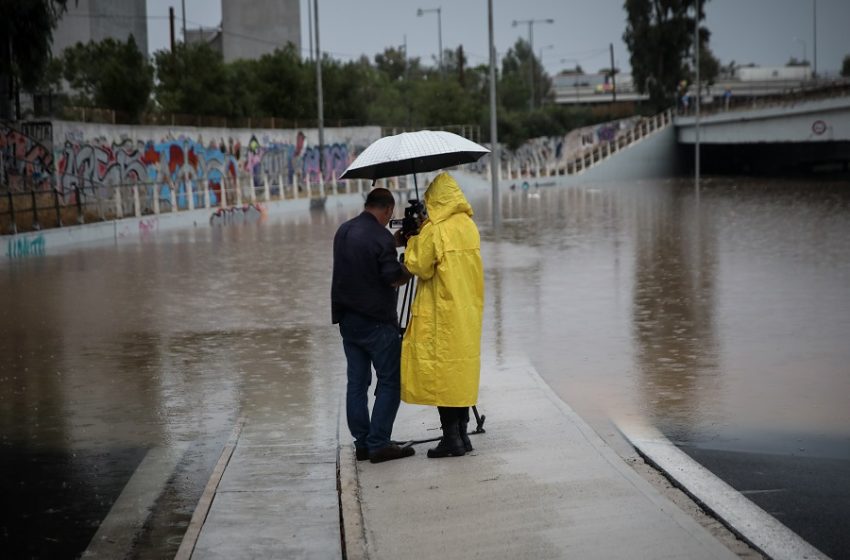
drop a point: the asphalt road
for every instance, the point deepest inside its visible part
(810, 495)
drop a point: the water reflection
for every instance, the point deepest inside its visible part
(715, 323)
(111, 352)
(673, 308)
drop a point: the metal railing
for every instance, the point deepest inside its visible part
(44, 206)
(584, 159)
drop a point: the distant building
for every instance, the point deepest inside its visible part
(96, 20)
(772, 73)
(252, 28)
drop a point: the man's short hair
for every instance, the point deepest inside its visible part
(380, 198)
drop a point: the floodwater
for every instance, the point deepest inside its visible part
(721, 320)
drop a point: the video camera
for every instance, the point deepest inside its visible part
(413, 215)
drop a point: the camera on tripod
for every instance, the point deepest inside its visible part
(413, 215)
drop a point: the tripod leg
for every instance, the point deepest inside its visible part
(479, 421)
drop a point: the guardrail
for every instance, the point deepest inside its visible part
(48, 207)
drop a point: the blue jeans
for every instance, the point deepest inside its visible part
(367, 342)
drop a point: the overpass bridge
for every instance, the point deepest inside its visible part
(805, 135)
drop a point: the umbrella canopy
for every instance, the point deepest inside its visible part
(413, 152)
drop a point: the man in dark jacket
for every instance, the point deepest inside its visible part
(366, 274)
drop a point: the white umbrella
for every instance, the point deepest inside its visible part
(413, 152)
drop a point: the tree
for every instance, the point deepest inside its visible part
(392, 63)
(192, 79)
(845, 67)
(515, 85)
(659, 35)
(709, 66)
(26, 33)
(286, 86)
(109, 74)
(794, 62)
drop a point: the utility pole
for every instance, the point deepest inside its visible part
(171, 26)
(815, 27)
(419, 13)
(699, 92)
(319, 93)
(495, 159)
(310, 28)
(613, 73)
(183, 4)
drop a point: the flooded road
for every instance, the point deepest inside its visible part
(722, 322)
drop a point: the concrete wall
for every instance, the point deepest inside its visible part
(651, 157)
(132, 230)
(824, 120)
(103, 156)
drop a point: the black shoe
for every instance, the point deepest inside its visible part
(450, 444)
(362, 453)
(390, 452)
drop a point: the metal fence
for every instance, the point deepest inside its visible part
(44, 206)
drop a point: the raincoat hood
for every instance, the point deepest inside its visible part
(444, 198)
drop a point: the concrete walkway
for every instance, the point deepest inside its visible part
(540, 484)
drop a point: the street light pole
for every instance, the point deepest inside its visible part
(321, 114)
(495, 159)
(420, 12)
(815, 38)
(531, 23)
(699, 94)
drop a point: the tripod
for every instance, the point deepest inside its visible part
(404, 320)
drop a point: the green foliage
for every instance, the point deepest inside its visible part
(26, 33)
(109, 74)
(27, 27)
(515, 86)
(659, 35)
(389, 92)
(845, 66)
(193, 80)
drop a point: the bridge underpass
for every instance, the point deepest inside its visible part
(795, 137)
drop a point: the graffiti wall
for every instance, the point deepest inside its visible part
(82, 159)
(25, 158)
(547, 152)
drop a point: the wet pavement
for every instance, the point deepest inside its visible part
(723, 323)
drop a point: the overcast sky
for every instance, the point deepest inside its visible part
(766, 32)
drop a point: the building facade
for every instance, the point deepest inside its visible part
(252, 28)
(96, 20)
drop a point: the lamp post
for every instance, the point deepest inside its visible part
(815, 36)
(699, 94)
(495, 158)
(531, 23)
(419, 13)
(319, 101)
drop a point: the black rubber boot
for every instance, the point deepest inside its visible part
(450, 444)
(463, 421)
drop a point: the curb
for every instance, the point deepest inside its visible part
(353, 537)
(748, 521)
(193, 532)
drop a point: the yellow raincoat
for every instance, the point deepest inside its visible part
(441, 350)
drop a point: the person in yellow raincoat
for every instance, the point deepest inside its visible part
(441, 349)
